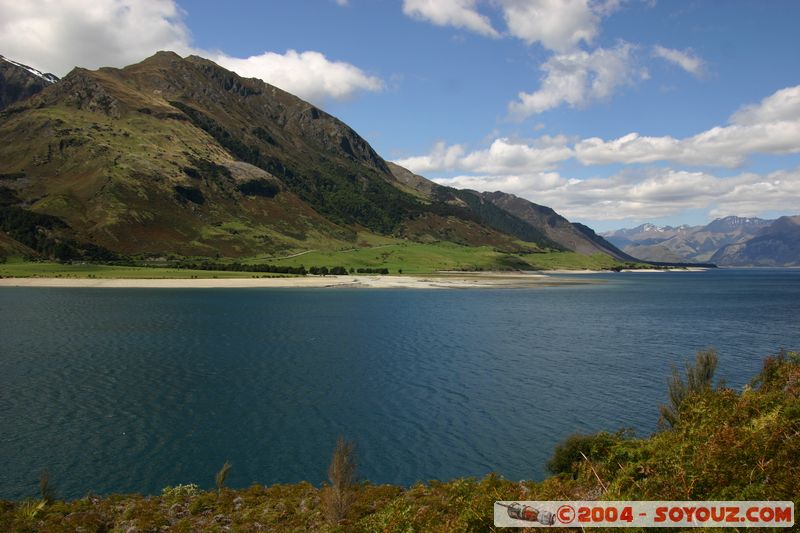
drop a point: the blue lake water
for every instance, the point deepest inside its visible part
(119, 390)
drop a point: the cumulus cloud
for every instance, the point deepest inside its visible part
(528, 185)
(457, 13)
(781, 106)
(558, 25)
(654, 193)
(56, 35)
(770, 127)
(685, 59)
(532, 168)
(309, 74)
(504, 156)
(441, 157)
(572, 76)
(579, 78)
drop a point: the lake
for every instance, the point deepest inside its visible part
(121, 390)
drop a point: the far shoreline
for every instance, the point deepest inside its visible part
(461, 280)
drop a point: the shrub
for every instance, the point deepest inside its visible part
(180, 491)
(222, 476)
(699, 378)
(30, 509)
(46, 491)
(574, 448)
(339, 495)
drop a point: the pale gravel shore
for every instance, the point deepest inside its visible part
(680, 269)
(483, 280)
(566, 271)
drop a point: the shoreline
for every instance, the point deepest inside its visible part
(438, 281)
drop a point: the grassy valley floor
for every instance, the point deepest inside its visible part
(391, 256)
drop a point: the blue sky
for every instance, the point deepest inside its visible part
(613, 112)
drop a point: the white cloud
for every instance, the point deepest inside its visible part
(770, 127)
(458, 13)
(572, 76)
(530, 168)
(783, 105)
(558, 25)
(56, 35)
(442, 157)
(522, 185)
(685, 59)
(307, 74)
(650, 194)
(504, 156)
(579, 78)
(343, 3)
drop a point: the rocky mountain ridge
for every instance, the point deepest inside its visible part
(181, 156)
(728, 241)
(18, 81)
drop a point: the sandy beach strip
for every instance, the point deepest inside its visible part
(575, 272)
(676, 269)
(483, 280)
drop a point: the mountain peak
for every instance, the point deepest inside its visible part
(47, 77)
(730, 223)
(168, 54)
(182, 155)
(19, 82)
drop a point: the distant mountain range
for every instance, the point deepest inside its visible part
(729, 241)
(181, 156)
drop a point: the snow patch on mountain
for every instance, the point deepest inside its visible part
(46, 76)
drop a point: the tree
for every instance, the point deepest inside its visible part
(339, 495)
(45, 488)
(699, 378)
(222, 476)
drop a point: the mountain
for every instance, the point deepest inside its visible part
(18, 81)
(696, 244)
(775, 245)
(576, 237)
(482, 209)
(179, 156)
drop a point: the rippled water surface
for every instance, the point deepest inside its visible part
(117, 390)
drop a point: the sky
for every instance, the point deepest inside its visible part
(612, 112)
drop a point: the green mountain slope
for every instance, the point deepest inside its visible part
(575, 237)
(179, 156)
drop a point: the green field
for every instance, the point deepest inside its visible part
(420, 258)
(398, 256)
(20, 269)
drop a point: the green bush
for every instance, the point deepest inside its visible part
(579, 447)
(699, 378)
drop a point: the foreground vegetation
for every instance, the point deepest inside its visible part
(716, 444)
